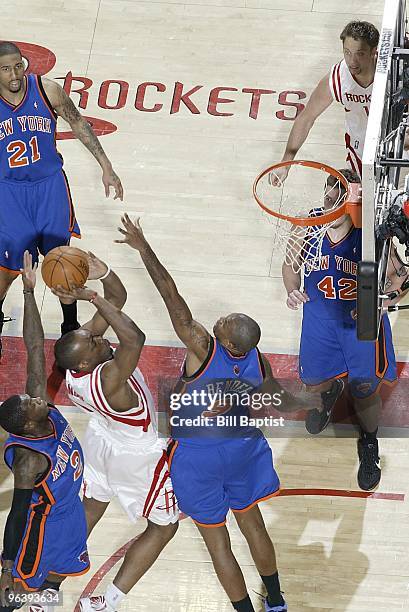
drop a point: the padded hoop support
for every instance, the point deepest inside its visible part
(367, 301)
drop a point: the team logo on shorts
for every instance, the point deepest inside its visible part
(236, 370)
(170, 502)
(84, 557)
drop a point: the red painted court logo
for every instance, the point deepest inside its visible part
(154, 97)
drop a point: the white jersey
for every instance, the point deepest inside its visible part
(138, 424)
(356, 101)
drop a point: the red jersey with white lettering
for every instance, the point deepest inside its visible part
(138, 423)
(356, 101)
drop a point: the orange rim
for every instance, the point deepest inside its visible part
(351, 206)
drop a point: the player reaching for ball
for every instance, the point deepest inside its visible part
(45, 533)
(36, 211)
(124, 457)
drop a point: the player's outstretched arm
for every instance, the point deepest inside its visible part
(33, 334)
(131, 338)
(27, 466)
(319, 101)
(270, 387)
(114, 292)
(193, 335)
(65, 107)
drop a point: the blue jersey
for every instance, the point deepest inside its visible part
(332, 287)
(215, 401)
(57, 491)
(27, 136)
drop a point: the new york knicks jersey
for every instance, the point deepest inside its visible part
(27, 136)
(210, 404)
(59, 488)
(331, 285)
(356, 101)
(135, 424)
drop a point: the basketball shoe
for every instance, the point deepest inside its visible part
(316, 421)
(281, 608)
(369, 472)
(96, 603)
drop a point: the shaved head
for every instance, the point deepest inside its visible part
(238, 332)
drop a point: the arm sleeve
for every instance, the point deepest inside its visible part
(16, 523)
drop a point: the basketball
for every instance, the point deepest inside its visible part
(65, 266)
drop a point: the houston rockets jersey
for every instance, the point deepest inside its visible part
(59, 488)
(216, 397)
(27, 136)
(332, 287)
(356, 101)
(136, 425)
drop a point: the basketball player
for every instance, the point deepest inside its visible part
(124, 457)
(349, 82)
(329, 348)
(36, 211)
(214, 468)
(45, 533)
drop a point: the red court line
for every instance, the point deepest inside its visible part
(343, 493)
(117, 556)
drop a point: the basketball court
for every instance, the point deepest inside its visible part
(192, 100)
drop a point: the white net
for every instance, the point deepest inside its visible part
(305, 193)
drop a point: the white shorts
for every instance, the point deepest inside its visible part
(137, 474)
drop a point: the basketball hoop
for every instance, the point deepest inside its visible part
(296, 207)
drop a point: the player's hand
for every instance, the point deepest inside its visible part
(133, 234)
(111, 179)
(74, 293)
(6, 586)
(97, 267)
(28, 272)
(296, 298)
(277, 177)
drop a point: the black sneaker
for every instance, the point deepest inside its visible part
(369, 472)
(317, 421)
(66, 328)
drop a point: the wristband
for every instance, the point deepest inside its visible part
(6, 570)
(28, 291)
(93, 297)
(105, 275)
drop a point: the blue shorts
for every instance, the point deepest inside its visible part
(330, 349)
(235, 474)
(56, 545)
(37, 216)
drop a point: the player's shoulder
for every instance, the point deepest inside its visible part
(52, 89)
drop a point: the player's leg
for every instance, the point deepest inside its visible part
(57, 224)
(94, 511)
(369, 364)
(250, 478)
(322, 366)
(261, 547)
(141, 482)
(17, 233)
(227, 569)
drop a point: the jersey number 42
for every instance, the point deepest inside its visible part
(346, 289)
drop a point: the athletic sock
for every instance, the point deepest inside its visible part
(69, 312)
(272, 584)
(244, 605)
(368, 436)
(113, 596)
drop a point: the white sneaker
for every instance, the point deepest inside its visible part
(96, 603)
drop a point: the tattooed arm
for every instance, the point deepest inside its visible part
(65, 108)
(193, 335)
(396, 275)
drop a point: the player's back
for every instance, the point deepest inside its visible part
(135, 425)
(332, 288)
(58, 490)
(215, 402)
(27, 135)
